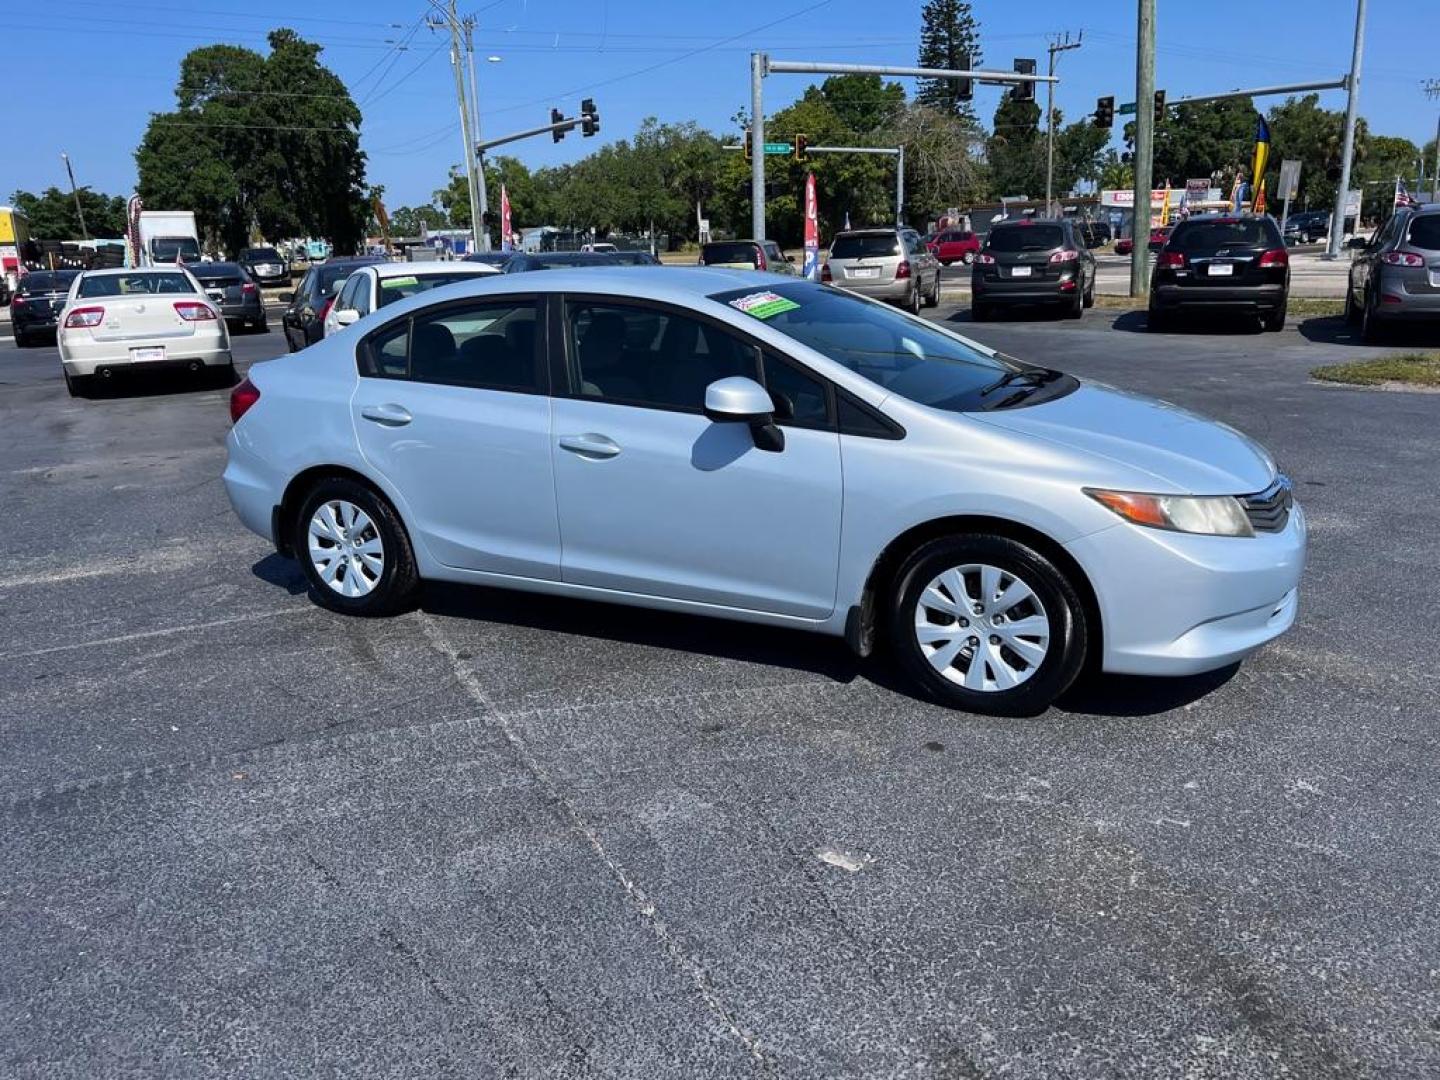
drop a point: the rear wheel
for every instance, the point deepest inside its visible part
(1275, 320)
(912, 305)
(353, 549)
(981, 312)
(1352, 313)
(932, 298)
(987, 624)
(969, 257)
(1090, 294)
(1371, 328)
(76, 385)
(1157, 321)
(1076, 307)
(22, 339)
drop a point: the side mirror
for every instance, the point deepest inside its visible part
(790, 258)
(738, 400)
(286, 297)
(347, 316)
(1357, 242)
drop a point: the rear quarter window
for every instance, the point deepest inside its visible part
(1425, 232)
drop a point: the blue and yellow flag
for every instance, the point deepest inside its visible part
(1262, 158)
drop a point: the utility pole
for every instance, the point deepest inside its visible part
(1144, 147)
(84, 235)
(452, 21)
(469, 24)
(1432, 91)
(1352, 104)
(1054, 48)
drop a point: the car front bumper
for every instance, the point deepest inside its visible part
(1239, 297)
(1178, 604)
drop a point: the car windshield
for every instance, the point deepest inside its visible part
(169, 248)
(1208, 235)
(901, 355)
(1025, 238)
(260, 255)
(864, 246)
(397, 288)
(129, 284)
(737, 252)
(1425, 232)
(46, 281)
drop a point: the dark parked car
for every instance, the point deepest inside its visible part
(747, 255)
(1159, 236)
(521, 262)
(265, 265)
(491, 258)
(1307, 227)
(1397, 274)
(36, 305)
(635, 258)
(304, 318)
(234, 292)
(1032, 261)
(1226, 263)
(1093, 233)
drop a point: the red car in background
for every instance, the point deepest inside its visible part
(954, 245)
(1158, 236)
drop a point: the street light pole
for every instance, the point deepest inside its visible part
(1352, 104)
(1053, 48)
(84, 235)
(1144, 147)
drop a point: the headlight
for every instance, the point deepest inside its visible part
(1214, 515)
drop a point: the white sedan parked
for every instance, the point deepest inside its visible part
(117, 320)
(372, 287)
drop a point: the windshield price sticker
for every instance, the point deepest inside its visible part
(764, 305)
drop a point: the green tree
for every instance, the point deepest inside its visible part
(1212, 139)
(1387, 159)
(269, 141)
(1079, 154)
(1015, 150)
(949, 38)
(941, 168)
(52, 213)
(412, 220)
(1300, 129)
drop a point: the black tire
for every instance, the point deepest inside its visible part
(1076, 307)
(1157, 321)
(1352, 313)
(1089, 300)
(1064, 611)
(76, 385)
(932, 298)
(225, 376)
(912, 304)
(968, 258)
(395, 588)
(1372, 327)
(1275, 320)
(22, 339)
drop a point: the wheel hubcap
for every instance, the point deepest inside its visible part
(345, 548)
(982, 628)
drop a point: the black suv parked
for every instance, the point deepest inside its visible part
(37, 302)
(1222, 262)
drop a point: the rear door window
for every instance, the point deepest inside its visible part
(865, 246)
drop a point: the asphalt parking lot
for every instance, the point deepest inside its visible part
(515, 836)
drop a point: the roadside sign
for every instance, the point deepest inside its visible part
(1289, 185)
(1352, 202)
(779, 148)
(1127, 109)
(1196, 190)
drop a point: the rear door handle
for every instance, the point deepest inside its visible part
(389, 414)
(590, 445)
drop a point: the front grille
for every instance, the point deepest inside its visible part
(1269, 511)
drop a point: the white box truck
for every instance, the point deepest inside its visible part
(168, 237)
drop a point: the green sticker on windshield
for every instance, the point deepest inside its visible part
(398, 282)
(764, 305)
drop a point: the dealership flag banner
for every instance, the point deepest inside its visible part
(1262, 158)
(811, 269)
(505, 244)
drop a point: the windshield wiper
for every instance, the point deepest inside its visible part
(1028, 376)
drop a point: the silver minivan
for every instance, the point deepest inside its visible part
(884, 264)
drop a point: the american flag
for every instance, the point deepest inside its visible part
(1403, 197)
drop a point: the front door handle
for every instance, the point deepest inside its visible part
(389, 414)
(590, 445)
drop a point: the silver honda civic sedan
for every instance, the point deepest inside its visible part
(768, 450)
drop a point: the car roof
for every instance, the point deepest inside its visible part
(877, 231)
(112, 271)
(432, 266)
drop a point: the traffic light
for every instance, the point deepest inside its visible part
(1105, 112)
(1159, 107)
(556, 116)
(1024, 91)
(589, 118)
(964, 88)
(748, 150)
(802, 144)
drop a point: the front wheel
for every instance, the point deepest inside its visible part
(987, 624)
(354, 550)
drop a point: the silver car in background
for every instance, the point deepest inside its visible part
(884, 264)
(770, 451)
(1396, 276)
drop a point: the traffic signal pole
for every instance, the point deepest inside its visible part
(1337, 221)
(761, 65)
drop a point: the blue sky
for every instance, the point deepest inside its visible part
(86, 74)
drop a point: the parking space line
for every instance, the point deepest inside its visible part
(142, 635)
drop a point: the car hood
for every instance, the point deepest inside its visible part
(1184, 451)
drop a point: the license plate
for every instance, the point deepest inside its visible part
(1020, 271)
(215, 294)
(1222, 270)
(865, 271)
(147, 353)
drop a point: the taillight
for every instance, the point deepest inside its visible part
(17, 301)
(1170, 260)
(1064, 256)
(903, 270)
(1399, 258)
(825, 275)
(760, 261)
(241, 398)
(325, 308)
(1274, 257)
(193, 311)
(84, 316)
(984, 258)
(247, 289)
